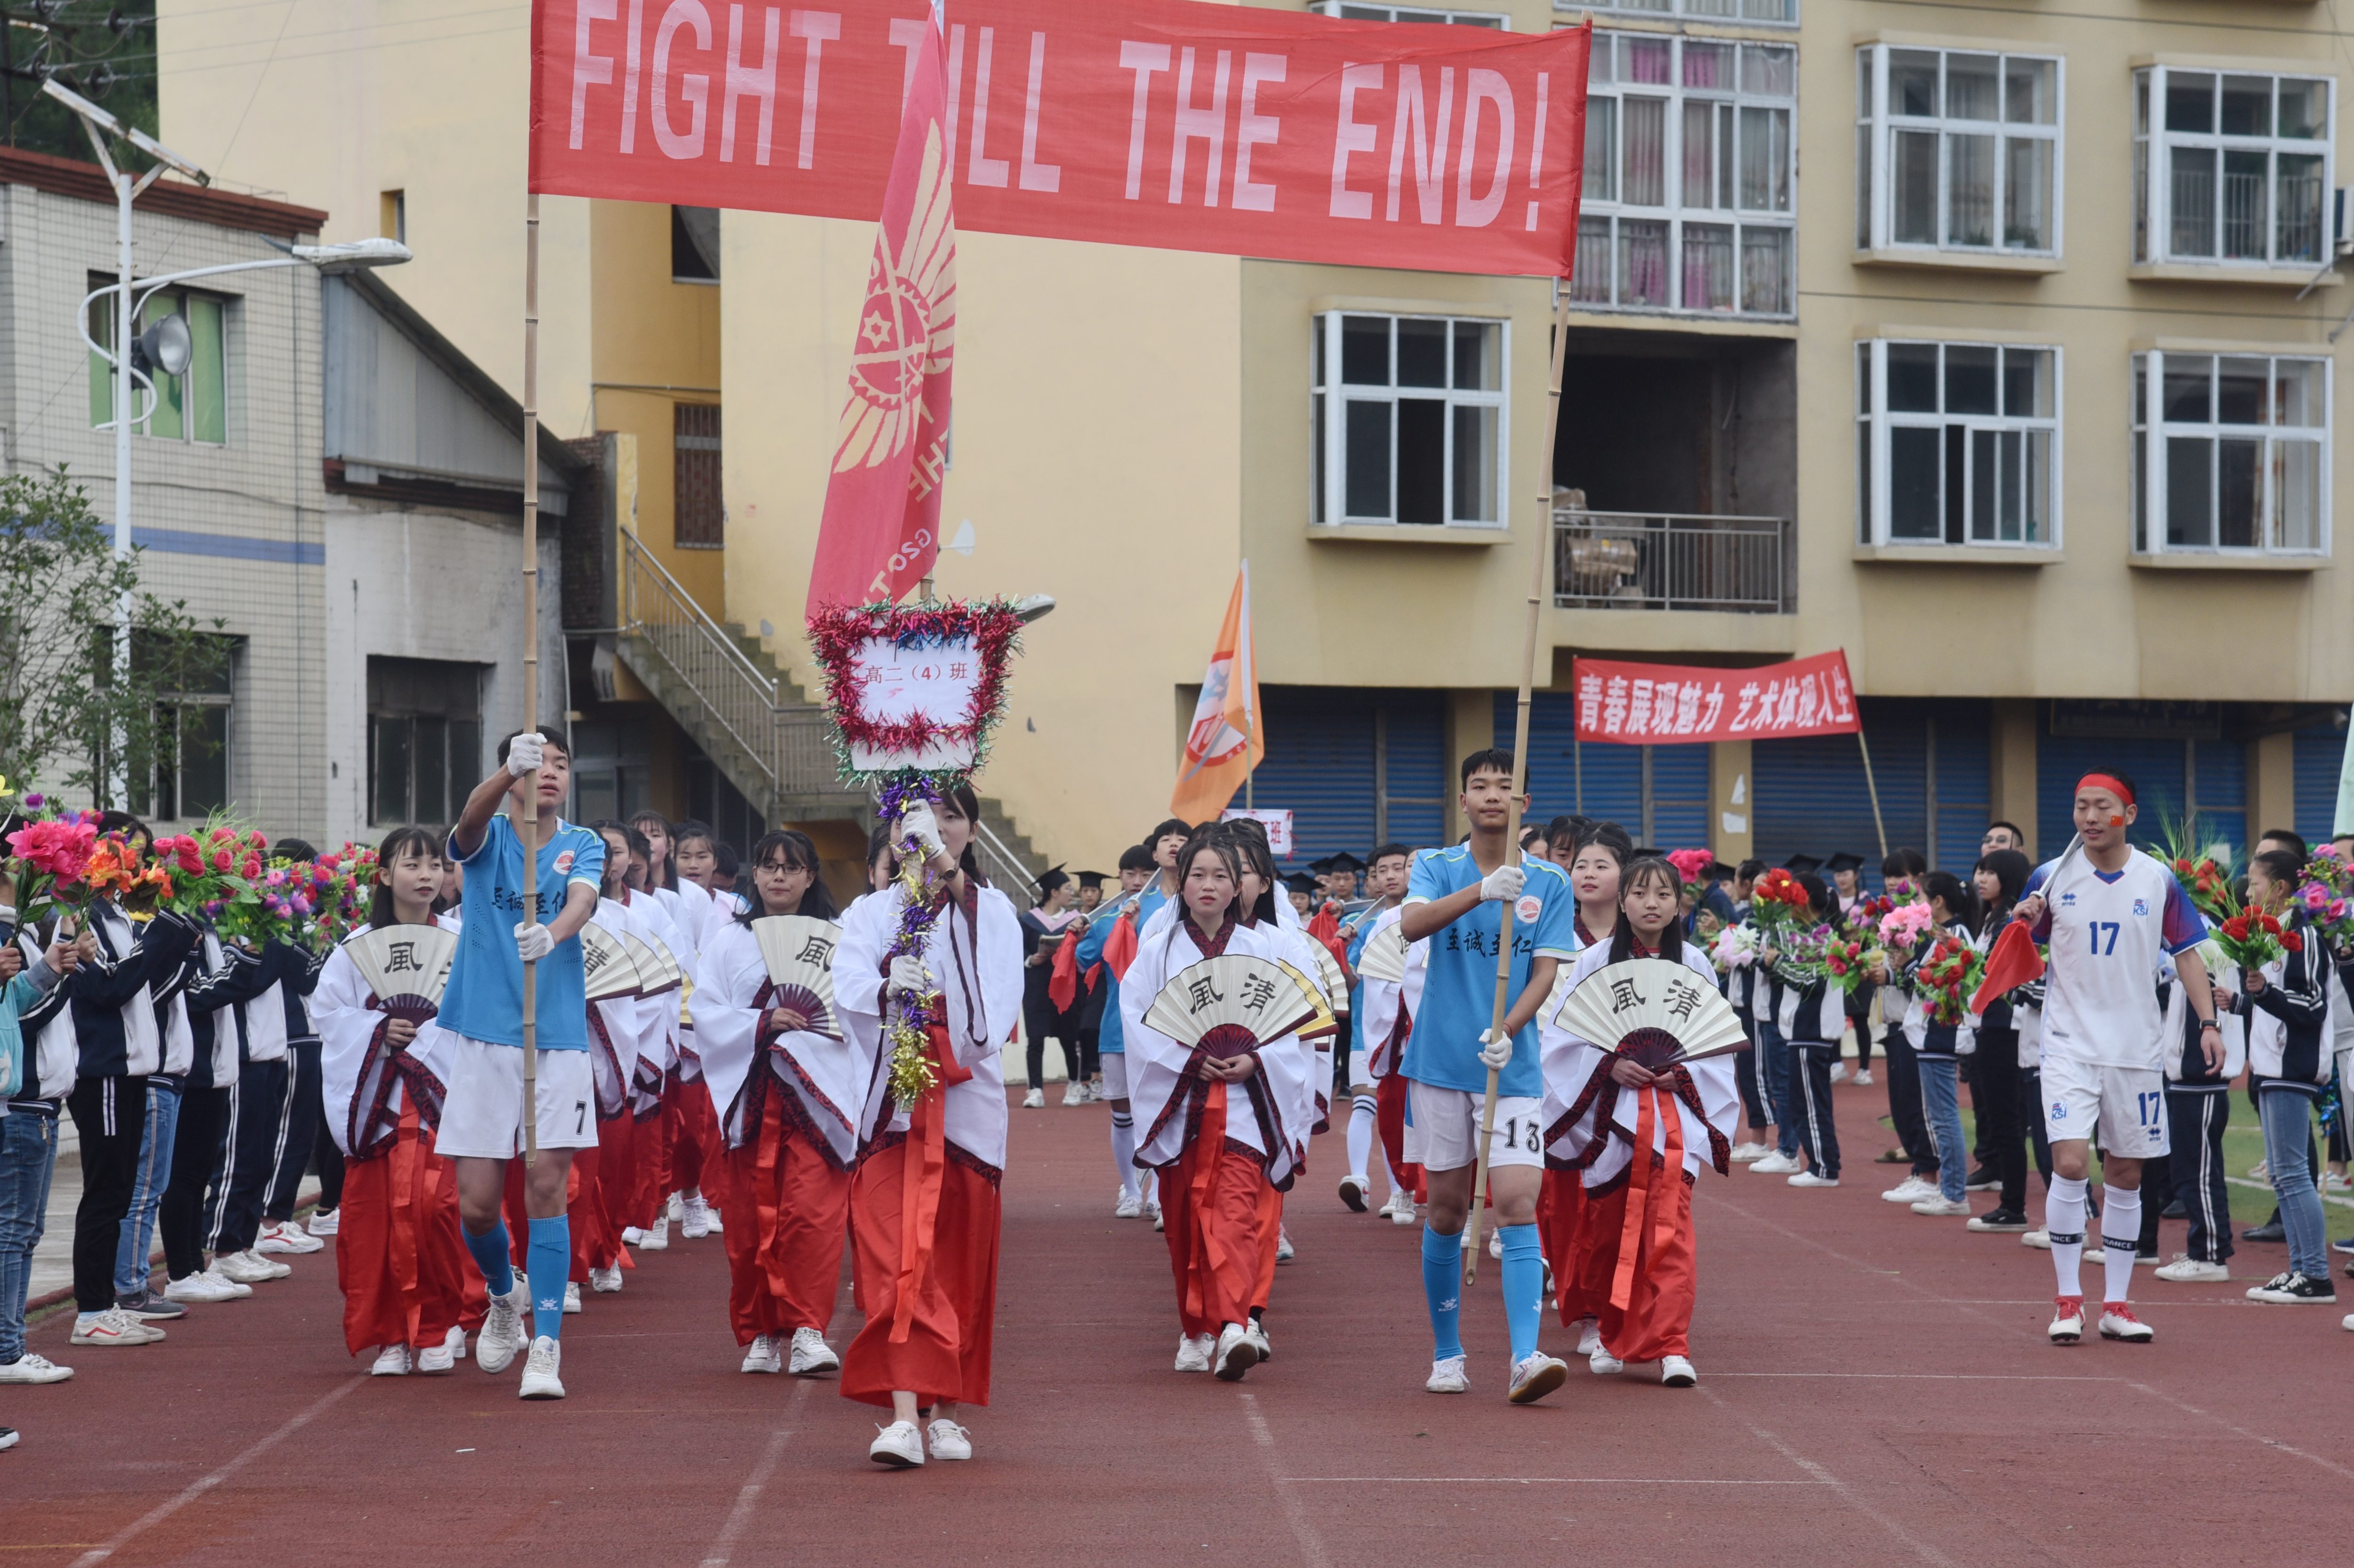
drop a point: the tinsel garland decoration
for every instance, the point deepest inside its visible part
(837, 633)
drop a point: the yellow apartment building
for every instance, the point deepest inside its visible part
(1995, 344)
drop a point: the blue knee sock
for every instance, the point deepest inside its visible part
(490, 1251)
(548, 1261)
(1524, 1281)
(1442, 1287)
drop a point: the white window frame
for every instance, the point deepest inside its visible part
(1331, 398)
(1727, 12)
(1602, 218)
(1441, 14)
(1874, 422)
(1878, 125)
(2153, 163)
(2148, 507)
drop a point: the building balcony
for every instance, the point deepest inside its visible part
(1619, 560)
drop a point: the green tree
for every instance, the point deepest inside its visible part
(68, 717)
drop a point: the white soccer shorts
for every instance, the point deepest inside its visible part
(1442, 1128)
(1114, 1064)
(1361, 1069)
(483, 1117)
(2126, 1105)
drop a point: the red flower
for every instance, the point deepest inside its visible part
(251, 868)
(221, 861)
(2292, 942)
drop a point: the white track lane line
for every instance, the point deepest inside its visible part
(1295, 1509)
(724, 1546)
(1846, 1494)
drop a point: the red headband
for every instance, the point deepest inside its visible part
(2109, 781)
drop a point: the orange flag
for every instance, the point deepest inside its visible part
(1226, 740)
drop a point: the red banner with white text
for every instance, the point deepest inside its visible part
(1662, 704)
(1158, 123)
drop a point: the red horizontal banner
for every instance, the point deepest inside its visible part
(1158, 123)
(1666, 704)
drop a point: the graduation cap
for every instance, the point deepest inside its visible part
(1090, 878)
(1802, 864)
(1299, 881)
(1333, 863)
(1052, 877)
(1844, 862)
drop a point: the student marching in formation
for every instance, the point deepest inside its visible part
(2109, 912)
(481, 1013)
(1045, 927)
(1637, 1154)
(1459, 898)
(1147, 881)
(774, 1058)
(1386, 882)
(1810, 1017)
(1939, 1047)
(924, 1202)
(1311, 963)
(622, 1020)
(1595, 856)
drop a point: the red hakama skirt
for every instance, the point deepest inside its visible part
(403, 1268)
(946, 1352)
(790, 1207)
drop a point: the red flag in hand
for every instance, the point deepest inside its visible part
(1062, 984)
(1120, 949)
(2013, 962)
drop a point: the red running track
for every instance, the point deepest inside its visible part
(1875, 1387)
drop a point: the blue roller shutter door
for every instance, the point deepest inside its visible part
(1606, 782)
(2169, 775)
(1421, 779)
(2320, 753)
(1320, 765)
(1965, 764)
(1811, 796)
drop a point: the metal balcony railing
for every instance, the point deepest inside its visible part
(1617, 560)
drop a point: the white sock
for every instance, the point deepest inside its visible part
(2120, 1237)
(1361, 1134)
(1123, 1151)
(2063, 1217)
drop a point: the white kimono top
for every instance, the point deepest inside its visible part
(1590, 1119)
(362, 1088)
(820, 1069)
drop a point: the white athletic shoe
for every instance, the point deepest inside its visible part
(1941, 1208)
(1353, 1192)
(1838, 1071)
(440, 1358)
(248, 1268)
(1676, 1372)
(1749, 1153)
(1193, 1352)
(1257, 1328)
(1153, 1207)
(204, 1286)
(676, 1210)
(762, 1355)
(632, 1236)
(1235, 1355)
(393, 1360)
(1450, 1374)
(1404, 1214)
(605, 1281)
(656, 1237)
(2188, 1270)
(324, 1222)
(1809, 1178)
(1912, 1189)
(1864, 1077)
(287, 1236)
(1774, 1164)
(1536, 1376)
(572, 1296)
(2039, 1238)
(1589, 1336)
(503, 1336)
(900, 1445)
(2067, 1320)
(1283, 1249)
(1495, 1243)
(1034, 1100)
(1074, 1093)
(1602, 1363)
(2347, 1322)
(113, 1327)
(695, 1223)
(539, 1373)
(1128, 1205)
(2118, 1322)
(30, 1368)
(812, 1354)
(950, 1441)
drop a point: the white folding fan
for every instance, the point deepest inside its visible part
(405, 966)
(799, 953)
(1248, 1001)
(1323, 1023)
(1384, 957)
(1328, 972)
(1654, 1012)
(607, 964)
(657, 970)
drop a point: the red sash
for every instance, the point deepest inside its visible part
(1647, 1199)
(920, 1209)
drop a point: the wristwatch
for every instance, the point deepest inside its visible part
(2211, 1024)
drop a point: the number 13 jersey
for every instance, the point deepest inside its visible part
(2109, 931)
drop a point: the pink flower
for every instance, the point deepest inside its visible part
(221, 861)
(59, 848)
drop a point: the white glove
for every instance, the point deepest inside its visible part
(533, 942)
(920, 825)
(1504, 883)
(1495, 1050)
(523, 754)
(908, 974)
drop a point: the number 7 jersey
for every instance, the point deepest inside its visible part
(2108, 934)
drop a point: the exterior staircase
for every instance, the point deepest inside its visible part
(754, 721)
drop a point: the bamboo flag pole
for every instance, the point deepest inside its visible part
(531, 666)
(1880, 826)
(1542, 554)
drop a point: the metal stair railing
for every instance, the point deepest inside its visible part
(1001, 866)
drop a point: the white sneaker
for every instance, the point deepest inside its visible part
(440, 1358)
(30, 1368)
(676, 1210)
(605, 1281)
(950, 1441)
(113, 1327)
(1775, 1163)
(204, 1286)
(656, 1237)
(1495, 1243)
(1912, 1189)
(1193, 1352)
(1807, 1179)
(1074, 1093)
(1256, 1329)
(1676, 1372)
(900, 1445)
(1602, 1363)
(572, 1296)
(1153, 1207)
(248, 1268)
(1589, 1336)
(287, 1236)
(1283, 1250)
(1449, 1375)
(1536, 1376)
(2347, 1322)
(1863, 1080)
(1129, 1206)
(2188, 1270)
(1034, 1100)
(1404, 1214)
(762, 1355)
(1748, 1153)
(1353, 1192)
(1235, 1355)
(812, 1354)
(1941, 1208)
(1838, 1071)
(539, 1373)
(393, 1360)
(632, 1236)
(2039, 1238)
(695, 1224)
(324, 1222)
(503, 1335)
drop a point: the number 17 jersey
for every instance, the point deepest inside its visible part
(2107, 931)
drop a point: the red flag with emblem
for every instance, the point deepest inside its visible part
(881, 533)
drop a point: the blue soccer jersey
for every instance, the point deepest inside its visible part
(1109, 1040)
(1459, 990)
(484, 998)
